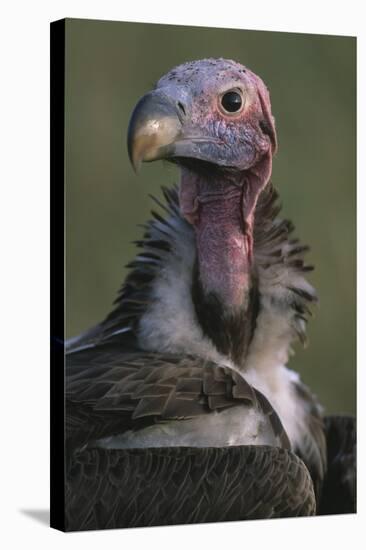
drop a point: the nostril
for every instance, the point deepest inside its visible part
(181, 107)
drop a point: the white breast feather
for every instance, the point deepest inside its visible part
(218, 429)
(170, 325)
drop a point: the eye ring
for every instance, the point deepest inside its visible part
(231, 102)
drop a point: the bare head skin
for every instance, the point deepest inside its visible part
(213, 118)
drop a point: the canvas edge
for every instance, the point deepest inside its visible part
(57, 163)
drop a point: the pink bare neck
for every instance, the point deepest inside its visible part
(221, 213)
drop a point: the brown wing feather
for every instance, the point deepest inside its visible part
(313, 449)
(109, 392)
(166, 486)
(340, 484)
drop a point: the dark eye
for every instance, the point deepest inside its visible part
(231, 102)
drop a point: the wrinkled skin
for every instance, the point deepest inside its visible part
(233, 140)
(225, 159)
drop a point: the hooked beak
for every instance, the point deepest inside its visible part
(154, 127)
(157, 131)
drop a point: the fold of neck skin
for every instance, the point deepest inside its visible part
(221, 212)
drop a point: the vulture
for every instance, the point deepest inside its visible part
(179, 405)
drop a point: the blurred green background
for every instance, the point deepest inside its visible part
(312, 80)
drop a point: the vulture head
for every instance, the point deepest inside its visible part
(213, 119)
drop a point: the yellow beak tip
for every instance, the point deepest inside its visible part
(136, 167)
